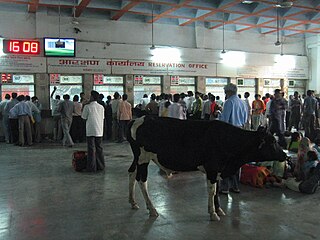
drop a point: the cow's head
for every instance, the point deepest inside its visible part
(268, 148)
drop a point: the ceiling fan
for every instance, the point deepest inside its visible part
(284, 4)
(74, 20)
(278, 3)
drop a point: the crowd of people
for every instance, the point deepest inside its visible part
(93, 120)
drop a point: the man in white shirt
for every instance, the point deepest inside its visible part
(175, 110)
(57, 129)
(144, 101)
(93, 113)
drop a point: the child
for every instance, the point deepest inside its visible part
(303, 149)
(295, 141)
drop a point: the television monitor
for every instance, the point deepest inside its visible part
(59, 47)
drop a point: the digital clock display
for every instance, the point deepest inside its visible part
(21, 47)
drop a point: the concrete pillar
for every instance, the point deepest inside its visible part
(128, 88)
(166, 84)
(314, 62)
(42, 89)
(87, 84)
(260, 84)
(201, 84)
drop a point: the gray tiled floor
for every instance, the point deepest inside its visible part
(41, 197)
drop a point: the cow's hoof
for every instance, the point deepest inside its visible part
(169, 175)
(153, 213)
(134, 206)
(220, 212)
(214, 217)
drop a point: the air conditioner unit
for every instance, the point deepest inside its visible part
(240, 82)
(291, 83)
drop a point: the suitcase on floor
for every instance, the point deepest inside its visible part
(79, 160)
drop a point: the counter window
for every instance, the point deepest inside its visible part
(71, 85)
(296, 85)
(247, 85)
(19, 83)
(146, 85)
(182, 84)
(270, 85)
(215, 86)
(108, 85)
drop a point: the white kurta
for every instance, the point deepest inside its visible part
(94, 114)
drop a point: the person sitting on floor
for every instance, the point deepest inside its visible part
(310, 176)
(303, 149)
(294, 142)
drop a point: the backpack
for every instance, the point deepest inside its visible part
(254, 175)
(79, 160)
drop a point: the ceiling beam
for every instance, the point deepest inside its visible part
(33, 6)
(273, 20)
(255, 26)
(124, 10)
(211, 13)
(242, 17)
(83, 4)
(176, 7)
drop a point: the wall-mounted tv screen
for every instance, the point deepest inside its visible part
(59, 47)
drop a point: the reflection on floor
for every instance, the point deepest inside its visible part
(41, 197)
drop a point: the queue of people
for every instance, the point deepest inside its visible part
(94, 120)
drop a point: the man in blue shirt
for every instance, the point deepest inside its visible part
(234, 112)
(23, 111)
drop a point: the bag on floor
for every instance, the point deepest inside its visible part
(254, 175)
(79, 160)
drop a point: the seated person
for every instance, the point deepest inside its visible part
(303, 149)
(316, 147)
(295, 141)
(310, 176)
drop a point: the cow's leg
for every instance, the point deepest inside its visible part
(166, 170)
(132, 190)
(133, 172)
(211, 193)
(142, 173)
(144, 188)
(216, 199)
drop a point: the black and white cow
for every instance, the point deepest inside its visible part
(185, 145)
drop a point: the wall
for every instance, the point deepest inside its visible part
(107, 39)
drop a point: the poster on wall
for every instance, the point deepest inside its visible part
(22, 64)
(54, 79)
(6, 78)
(98, 79)
(138, 80)
(174, 80)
